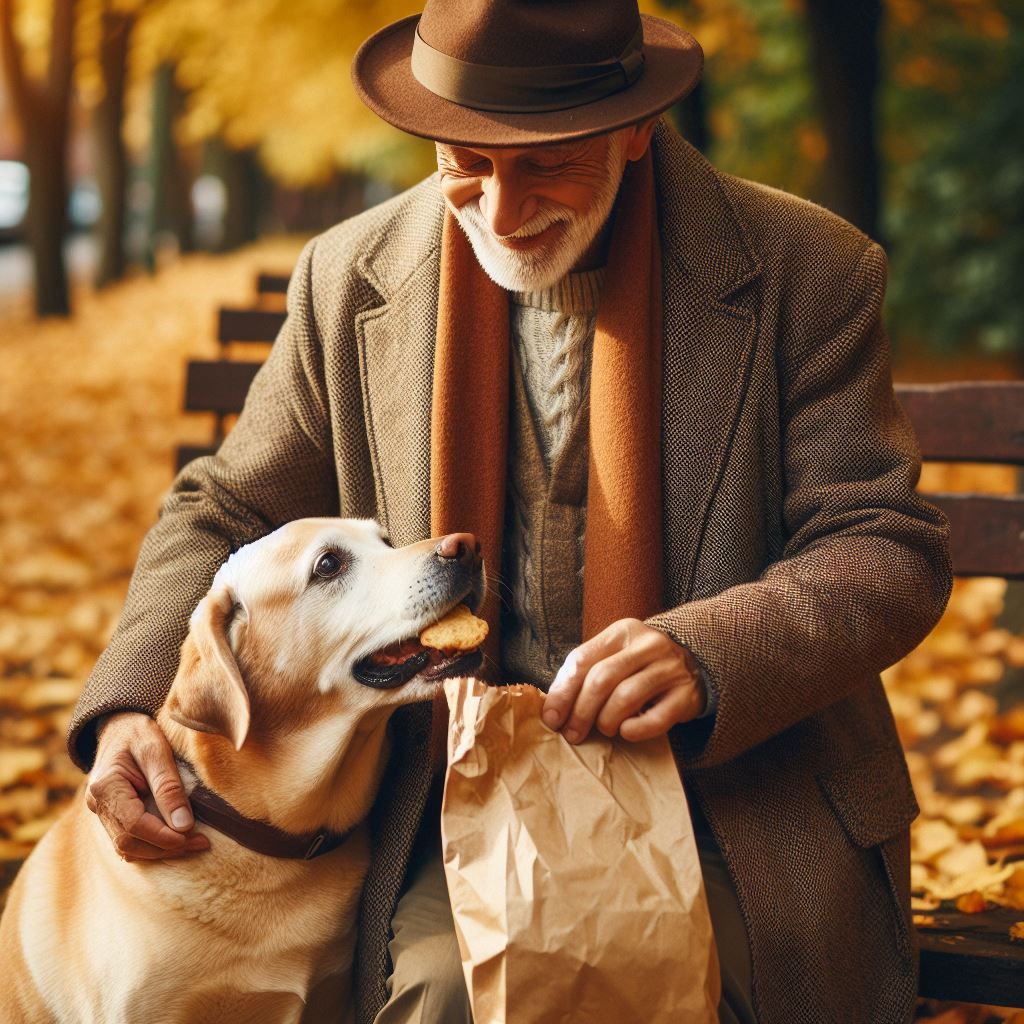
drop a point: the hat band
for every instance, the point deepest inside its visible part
(524, 90)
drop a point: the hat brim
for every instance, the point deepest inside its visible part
(383, 78)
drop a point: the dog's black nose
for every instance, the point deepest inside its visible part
(463, 547)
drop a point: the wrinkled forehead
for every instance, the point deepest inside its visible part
(286, 556)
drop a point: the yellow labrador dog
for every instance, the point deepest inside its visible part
(294, 662)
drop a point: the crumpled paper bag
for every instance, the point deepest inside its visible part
(572, 870)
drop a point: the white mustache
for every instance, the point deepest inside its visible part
(548, 214)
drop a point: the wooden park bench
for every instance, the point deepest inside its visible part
(964, 958)
(271, 284)
(219, 386)
(970, 958)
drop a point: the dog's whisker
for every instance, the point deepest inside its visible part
(498, 582)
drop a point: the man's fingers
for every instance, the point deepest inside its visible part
(134, 760)
(632, 695)
(151, 830)
(132, 849)
(114, 799)
(566, 685)
(124, 815)
(569, 681)
(601, 682)
(656, 720)
(155, 759)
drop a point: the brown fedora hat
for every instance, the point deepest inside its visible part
(524, 72)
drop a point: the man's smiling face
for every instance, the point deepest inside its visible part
(533, 214)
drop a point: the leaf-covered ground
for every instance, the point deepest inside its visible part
(90, 416)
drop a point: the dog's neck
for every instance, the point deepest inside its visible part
(258, 836)
(322, 775)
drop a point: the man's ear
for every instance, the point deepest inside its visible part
(637, 143)
(208, 693)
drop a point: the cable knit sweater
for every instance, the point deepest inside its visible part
(553, 333)
(545, 515)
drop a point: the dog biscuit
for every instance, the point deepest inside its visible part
(459, 630)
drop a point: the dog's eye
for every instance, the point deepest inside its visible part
(328, 565)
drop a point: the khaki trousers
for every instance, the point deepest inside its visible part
(427, 985)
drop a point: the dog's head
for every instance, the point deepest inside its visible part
(321, 610)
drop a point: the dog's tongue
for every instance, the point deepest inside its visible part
(394, 654)
(402, 651)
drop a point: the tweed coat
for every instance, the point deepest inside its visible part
(798, 561)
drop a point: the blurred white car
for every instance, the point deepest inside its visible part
(13, 197)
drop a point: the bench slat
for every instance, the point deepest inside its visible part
(986, 533)
(218, 386)
(187, 452)
(969, 958)
(271, 284)
(967, 421)
(260, 325)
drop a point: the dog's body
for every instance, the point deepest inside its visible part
(230, 935)
(267, 712)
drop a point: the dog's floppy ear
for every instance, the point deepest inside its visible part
(208, 693)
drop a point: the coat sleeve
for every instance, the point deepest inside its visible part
(274, 466)
(865, 572)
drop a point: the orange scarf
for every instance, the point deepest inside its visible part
(622, 570)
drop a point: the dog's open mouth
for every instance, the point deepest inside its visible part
(448, 647)
(398, 662)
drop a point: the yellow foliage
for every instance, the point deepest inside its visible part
(275, 75)
(723, 28)
(32, 30)
(88, 38)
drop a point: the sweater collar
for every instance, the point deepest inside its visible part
(579, 292)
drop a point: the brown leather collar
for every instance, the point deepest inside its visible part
(261, 836)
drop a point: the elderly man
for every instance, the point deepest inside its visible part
(660, 396)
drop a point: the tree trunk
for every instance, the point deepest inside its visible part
(844, 59)
(43, 111)
(46, 220)
(170, 179)
(111, 155)
(243, 182)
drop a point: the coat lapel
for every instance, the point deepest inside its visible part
(708, 344)
(396, 361)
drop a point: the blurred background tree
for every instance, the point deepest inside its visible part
(955, 174)
(216, 121)
(103, 39)
(36, 45)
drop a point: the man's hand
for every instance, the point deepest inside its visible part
(134, 759)
(635, 681)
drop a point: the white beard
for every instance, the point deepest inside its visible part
(520, 271)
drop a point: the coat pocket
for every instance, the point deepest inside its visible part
(873, 799)
(872, 796)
